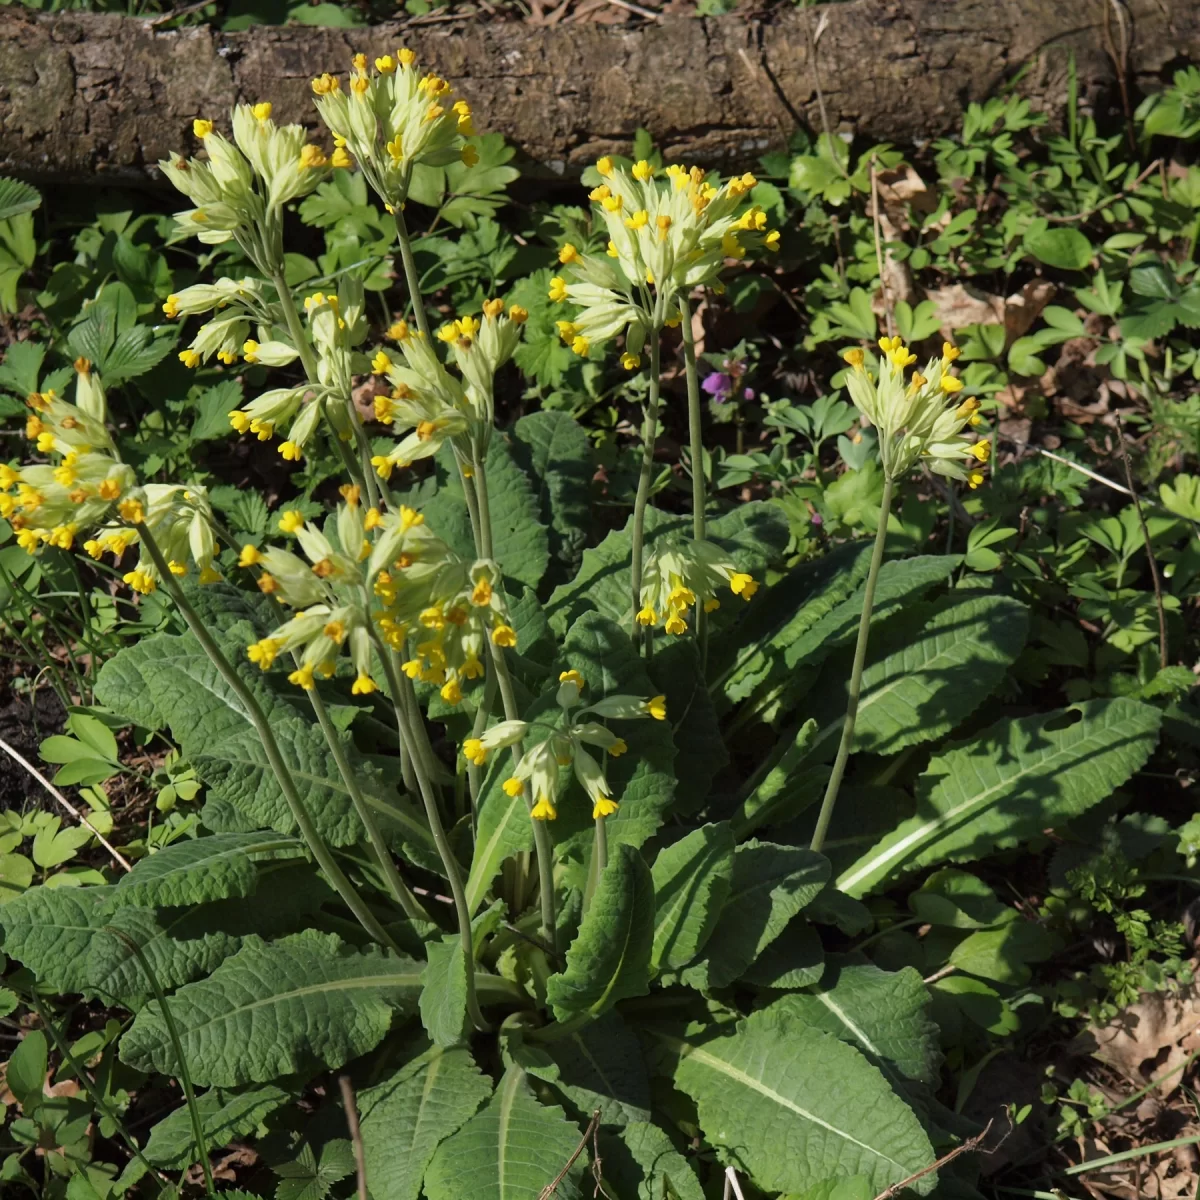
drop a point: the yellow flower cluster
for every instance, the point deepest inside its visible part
(541, 768)
(390, 117)
(668, 232)
(919, 418)
(680, 576)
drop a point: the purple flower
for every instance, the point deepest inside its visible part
(719, 386)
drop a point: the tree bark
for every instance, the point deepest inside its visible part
(86, 96)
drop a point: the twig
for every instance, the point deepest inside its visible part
(1137, 504)
(971, 1144)
(813, 39)
(884, 291)
(648, 13)
(732, 1185)
(179, 12)
(1066, 462)
(948, 969)
(116, 854)
(1125, 191)
(1120, 62)
(552, 1186)
(360, 1157)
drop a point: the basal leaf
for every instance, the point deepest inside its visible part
(511, 1150)
(770, 885)
(885, 1014)
(1013, 780)
(642, 1163)
(322, 1002)
(933, 681)
(224, 1116)
(609, 960)
(192, 872)
(444, 991)
(793, 1107)
(555, 451)
(691, 884)
(772, 797)
(407, 1116)
(795, 959)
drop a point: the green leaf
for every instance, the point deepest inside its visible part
(956, 899)
(691, 884)
(50, 931)
(1061, 247)
(554, 450)
(205, 716)
(944, 669)
(511, 1150)
(444, 991)
(408, 1115)
(642, 1163)
(519, 536)
(770, 885)
(795, 959)
(306, 1177)
(25, 1074)
(601, 1066)
(16, 874)
(1012, 781)
(225, 1116)
(17, 197)
(193, 872)
(609, 960)
(793, 1106)
(1002, 955)
(885, 1014)
(700, 748)
(773, 796)
(323, 1002)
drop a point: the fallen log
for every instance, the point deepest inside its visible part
(86, 96)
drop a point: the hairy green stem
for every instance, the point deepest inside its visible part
(410, 273)
(649, 436)
(185, 1077)
(449, 863)
(699, 498)
(856, 672)
(97, 1097)
(291, 316)
(482, 715)
(287, 785)
(399, 889)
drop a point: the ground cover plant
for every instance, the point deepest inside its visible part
(642, 697)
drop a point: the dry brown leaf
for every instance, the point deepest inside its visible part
(1025, 306)
(1149, 1038)
(960, 305)
(901, 187)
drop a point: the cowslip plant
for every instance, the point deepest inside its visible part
(386, 701)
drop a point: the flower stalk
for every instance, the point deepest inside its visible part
(642, 498)
(699, 498)
(856, 672)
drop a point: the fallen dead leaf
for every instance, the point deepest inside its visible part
(900, 188)
(1148, 1039)
(1025, 306)
(960, 305)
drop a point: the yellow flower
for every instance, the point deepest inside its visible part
(250, 556)
(406, 57)
(171, 306)
(302, 676)
(513, 786)
(323, 85)
(189, 358)
(580, 345)
(451, 692)
(262, 112)
(642, 170)
(290, 451)
(741, 584)
(568, 254)
(676, 624)
(202, 128)
(177, 568)
(291, 521)
(492, 309)
(572, 677)
(967, 409)
(950, 384)
(504, 635)
(656, 706)
(312, 156)
(474, 752)
(646, 615)
(604, 165)
(139, 581)
(518, 315)
(949, 352)
(481, 594)
(618, 748)
(975, 479)
(638, 220)
(558, 289)
(612, 203)
(385, 65)
(364, 685)
(543, 810)
(771, 241)
(630, 362)
(131, 510)
(341, 159)
(381, 364)
(239, 420)
(981, 450)
(604, 807)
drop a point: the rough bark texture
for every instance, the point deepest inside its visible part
(85, 95)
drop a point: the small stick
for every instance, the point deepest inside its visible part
(1137, 504)
(360, 1157)
(1066, 462)
(648, 13)
(1133, 187)
(552, 1186)
(732, 1185)
(889, 1193)
(884, 292)
(116, 854)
